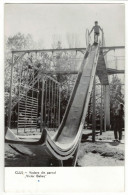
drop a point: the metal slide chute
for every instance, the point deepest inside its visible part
(65, 142)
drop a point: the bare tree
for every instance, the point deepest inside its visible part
(55, 39)
(73, 40)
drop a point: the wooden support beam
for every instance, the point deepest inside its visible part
(98, 84)
(111, 71)
(10, 97)
(64, 49)
(104, 91)
(102, 38)
(42, 106)
(101, 111)
(107, 94)
(59, 105)
(48, 50)
(63, 72)
(94, 112)
(113, 47)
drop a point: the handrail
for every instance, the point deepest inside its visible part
(88, 38)
(103, 39)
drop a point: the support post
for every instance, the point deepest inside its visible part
(59, 105)
(107, 107)
(10, 97)
(42, 106)
(45, 119)
(102, 38)
(104, 90)
(94, 113)
(101, 111)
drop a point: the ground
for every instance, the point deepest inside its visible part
(103, 152)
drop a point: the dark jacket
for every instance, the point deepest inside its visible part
(119, 119)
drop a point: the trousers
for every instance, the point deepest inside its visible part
(118, 134)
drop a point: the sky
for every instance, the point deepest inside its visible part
(43, 21)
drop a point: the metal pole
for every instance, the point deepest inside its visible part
(42, 106)
(52, 103)
(64, 49)
(94, 113)
(32, 108)
(102, 38)
(59, 104)
(10, 97)
(26, 102)
(54, 106)
(101, 112)
(20, 91)
(38, 102)
(49, 104)
(104, 108)
(46, 101)
(107, 95)
(18, 112)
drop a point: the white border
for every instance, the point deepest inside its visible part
(112, 177)
(63, 1)
(1, 97)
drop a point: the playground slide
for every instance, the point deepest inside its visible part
(66, 141)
